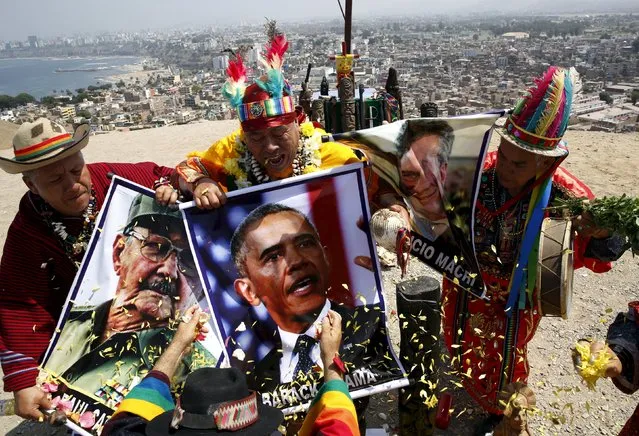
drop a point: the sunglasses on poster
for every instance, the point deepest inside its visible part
(158, 248)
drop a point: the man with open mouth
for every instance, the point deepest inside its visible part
(150, 258)
(282, 264)
(275, 141)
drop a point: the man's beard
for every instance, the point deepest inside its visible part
(155, 300)
(162, 285)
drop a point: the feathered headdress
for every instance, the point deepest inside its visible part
(273, 62)
(269, 97)
(540, 118)
(234, 87)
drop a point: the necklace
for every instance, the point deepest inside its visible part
(500, 217)
(74, 246)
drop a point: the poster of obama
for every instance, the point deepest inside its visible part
(132, 290)
(274, 259)
(435, 165)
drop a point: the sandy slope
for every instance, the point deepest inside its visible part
(607, 162)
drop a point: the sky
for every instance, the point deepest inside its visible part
(46, 18)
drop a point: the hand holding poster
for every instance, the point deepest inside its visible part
(274, 260)
(435, 164)
(136, 280)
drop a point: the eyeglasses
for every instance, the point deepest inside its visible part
(158, 248)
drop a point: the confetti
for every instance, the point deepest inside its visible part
(87, 420)
(239, 354)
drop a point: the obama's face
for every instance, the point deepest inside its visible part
(286, 269)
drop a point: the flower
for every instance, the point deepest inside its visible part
(232, 167)
(307, 129)
(87, 420)
(49, 387)
(61, 405)
(309, 169)
(592, 367)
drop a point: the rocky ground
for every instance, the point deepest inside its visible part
(607, 162)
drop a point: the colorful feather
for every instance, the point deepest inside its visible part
(236, 71)
(235, 85)
(273, 62)
(556, 123)
(572, 77)
(274, 83)
(233, 93)
(275, 51)
(553, 103)
(536, 95)
(534, 119)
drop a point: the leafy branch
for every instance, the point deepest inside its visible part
(616, 214)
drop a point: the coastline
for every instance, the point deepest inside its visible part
(142, 75)
(40, 75)
(58, 58)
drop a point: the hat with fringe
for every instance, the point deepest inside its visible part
(540, 117)
(267, 102)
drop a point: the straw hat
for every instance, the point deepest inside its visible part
(41, 143)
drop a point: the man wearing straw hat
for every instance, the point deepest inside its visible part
(46, 242)
(488, 338)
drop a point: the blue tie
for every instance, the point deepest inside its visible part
(303, 349)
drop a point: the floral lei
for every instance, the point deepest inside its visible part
(246, 170)
(74, 246)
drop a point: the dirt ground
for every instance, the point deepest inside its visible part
(608, 163)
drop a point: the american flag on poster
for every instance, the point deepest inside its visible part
(335, 202)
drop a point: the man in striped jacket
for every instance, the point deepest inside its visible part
(46, 242)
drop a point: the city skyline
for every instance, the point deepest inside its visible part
(63, 18)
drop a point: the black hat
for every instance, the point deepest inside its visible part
(209, 404)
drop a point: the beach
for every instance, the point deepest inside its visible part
(606, 162)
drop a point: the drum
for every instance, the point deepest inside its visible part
(555, 268)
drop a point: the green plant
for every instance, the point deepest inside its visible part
(616, 214)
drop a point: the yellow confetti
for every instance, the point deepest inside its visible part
(592, 368)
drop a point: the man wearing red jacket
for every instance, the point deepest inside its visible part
(488, 338)
(46, 242)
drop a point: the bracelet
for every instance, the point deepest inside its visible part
(162, 181)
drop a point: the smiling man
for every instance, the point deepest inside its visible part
(282, 264)
(425, 147)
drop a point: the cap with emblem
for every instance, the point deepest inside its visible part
(42, 143)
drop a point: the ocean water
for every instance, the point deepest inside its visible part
(38, 76)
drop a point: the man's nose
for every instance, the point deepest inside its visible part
(69, 182)
(169, 266)
(295, 258)
(270, 144)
